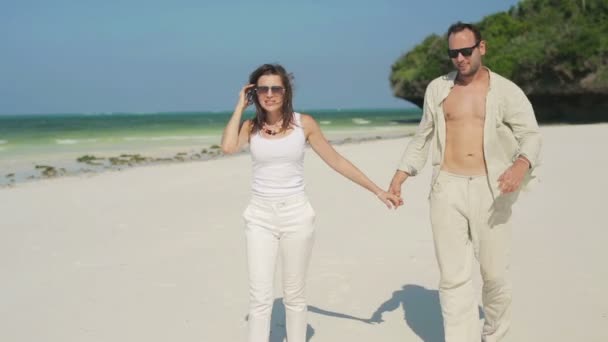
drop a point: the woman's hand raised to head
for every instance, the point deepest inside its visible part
(235, 135)
(243, 100)
(392, 201)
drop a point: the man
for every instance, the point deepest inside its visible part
(486, 143)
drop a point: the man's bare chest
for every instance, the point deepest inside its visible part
(463, 106)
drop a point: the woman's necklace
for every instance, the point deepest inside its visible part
(270, 132)
(268, 129)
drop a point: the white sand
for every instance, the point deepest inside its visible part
(157, 253)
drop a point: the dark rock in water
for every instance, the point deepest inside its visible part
(571, 108)
(556, 108)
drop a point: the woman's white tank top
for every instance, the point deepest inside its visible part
(278, 164)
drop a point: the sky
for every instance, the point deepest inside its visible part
(85, 56)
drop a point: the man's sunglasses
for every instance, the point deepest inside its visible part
(274, 90)
(466, 52)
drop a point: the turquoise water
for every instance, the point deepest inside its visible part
(58, 139)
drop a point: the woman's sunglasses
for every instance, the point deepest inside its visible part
(466, 52)
(274, 90)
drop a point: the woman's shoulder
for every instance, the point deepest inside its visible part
(306, 118)
(309, 124)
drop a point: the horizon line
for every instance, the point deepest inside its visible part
(413, 107)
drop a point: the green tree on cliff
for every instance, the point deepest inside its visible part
(548, 47)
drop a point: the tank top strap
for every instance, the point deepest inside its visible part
(297, 119)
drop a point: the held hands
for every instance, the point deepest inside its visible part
(395, 186)
(395, 190)
(511, 179)
(392, 201)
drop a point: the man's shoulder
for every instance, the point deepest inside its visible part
(443, 80)
(503, 82)
(440, 83)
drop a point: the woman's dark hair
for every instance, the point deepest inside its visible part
(260, 113)
(460, 26)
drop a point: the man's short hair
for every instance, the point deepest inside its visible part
(460, 26)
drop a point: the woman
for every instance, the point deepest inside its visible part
(279, 218)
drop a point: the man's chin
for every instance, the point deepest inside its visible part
(465, 72)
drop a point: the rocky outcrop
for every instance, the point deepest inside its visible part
(586, 107)
(563, 69)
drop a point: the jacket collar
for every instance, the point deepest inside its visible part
(449, 81)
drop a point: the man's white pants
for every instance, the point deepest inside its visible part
(276, 226)
(467, 221)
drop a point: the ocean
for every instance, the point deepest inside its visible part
(48, 145)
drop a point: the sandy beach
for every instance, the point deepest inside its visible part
(157, 253)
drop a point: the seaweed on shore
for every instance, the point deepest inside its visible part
(128, 159)
(50, 171)
(96, 164)
(181, 156)
(90, 159)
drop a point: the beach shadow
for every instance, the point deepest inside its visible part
(336, 314)
(421, 309)
(277, 323)
(277, 320)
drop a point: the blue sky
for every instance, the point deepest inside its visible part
(86, 56)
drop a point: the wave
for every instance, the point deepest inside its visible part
(3, 142)
(164, 138)
(74, 141)
(325, 122)
(360, 121)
